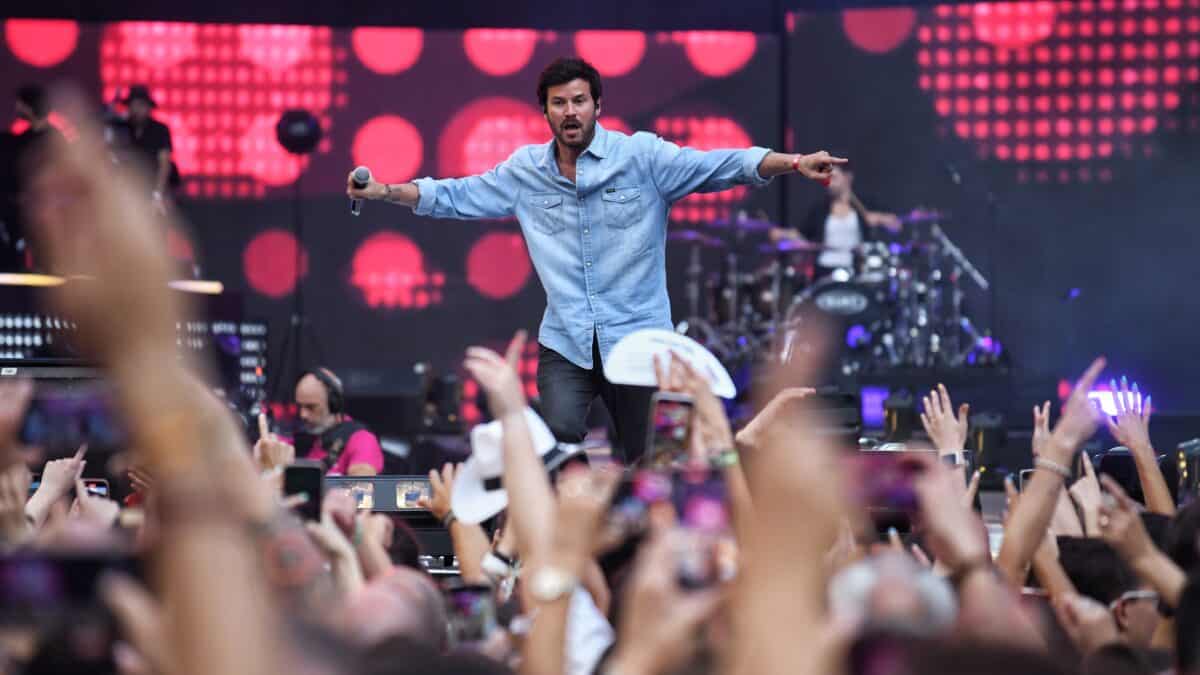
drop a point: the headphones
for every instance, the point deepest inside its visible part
(335, 396)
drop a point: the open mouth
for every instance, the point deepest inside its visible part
(572, 126)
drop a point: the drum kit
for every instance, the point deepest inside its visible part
(898, 306)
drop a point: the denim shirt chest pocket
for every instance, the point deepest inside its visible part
(621, 206)
(545, 212)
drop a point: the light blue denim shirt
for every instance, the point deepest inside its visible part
(598, 244)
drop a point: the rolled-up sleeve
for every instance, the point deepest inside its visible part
(679, 172)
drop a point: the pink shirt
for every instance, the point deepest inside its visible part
(362, 448)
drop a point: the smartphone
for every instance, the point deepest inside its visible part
(881, 482)
(61, 418)
(305, 477)
(471, 614)
(707, 554)
(669, 428)
(410, 491)
(97, 487)
(37, 587)
(1023, 478)
(701, 506)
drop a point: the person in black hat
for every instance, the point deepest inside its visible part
(20, 153)
(149, 141)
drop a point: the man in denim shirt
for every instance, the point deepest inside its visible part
(592, 205)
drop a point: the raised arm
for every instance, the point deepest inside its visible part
(1031, 516)
(487, 195)
(678, 172)
(1131, 428)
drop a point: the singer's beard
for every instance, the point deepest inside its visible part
(581, 139)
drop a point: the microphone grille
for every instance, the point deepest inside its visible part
(362, 174)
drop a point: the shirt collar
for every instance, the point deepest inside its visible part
(598, 147)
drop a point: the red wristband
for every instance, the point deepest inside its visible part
(796, 164)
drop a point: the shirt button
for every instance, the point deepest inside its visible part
(589, 263)
(586, 231)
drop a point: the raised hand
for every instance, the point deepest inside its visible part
(99, 511)
(948, 432)
(710, 430)
(1089, 623)
(1086, 493)
(1120, 523)
(659, 619)
(1041, 427)
(1131, 427)
(956, 535)
(441, 487)
(499, 376)
(58, 476)
(818, 166)
(1079, 419)
(271, 452)
(755, 433)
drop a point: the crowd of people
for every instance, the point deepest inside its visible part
(224, 578)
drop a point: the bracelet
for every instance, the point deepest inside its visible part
(796, 163)
(448, 519)
(1053, 467)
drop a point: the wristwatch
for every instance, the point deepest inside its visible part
(551, 583)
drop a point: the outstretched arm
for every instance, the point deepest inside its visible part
(487, 195)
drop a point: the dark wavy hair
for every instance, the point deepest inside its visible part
(562, 71)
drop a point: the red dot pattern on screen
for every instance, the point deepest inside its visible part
(269, 263)
(387, 51)
(498, 265)
(390, 146)
(613, 52)
(500, 52)
(714, 53)
(41, 42)
(389, 270)
(221, 89)
(470, 411)
(1065, 88)
(485, 132)
(878, 31)
(704, 133)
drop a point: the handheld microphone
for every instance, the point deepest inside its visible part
(359, 179)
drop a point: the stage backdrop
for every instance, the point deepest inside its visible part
(1062, 136)
(388, 289)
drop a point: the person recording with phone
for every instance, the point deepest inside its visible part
(328, 435)
(593, 205)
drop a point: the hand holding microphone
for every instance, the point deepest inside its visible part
(357, 188)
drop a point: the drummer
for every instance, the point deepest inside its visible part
(840, 222)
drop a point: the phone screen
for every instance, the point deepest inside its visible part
(472, 614)
(97, 487)
(63, 417)
(409, 492)
(670, 422)
(34, 587)
(882, 483)
(307, 479)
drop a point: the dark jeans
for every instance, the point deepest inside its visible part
(567, 392)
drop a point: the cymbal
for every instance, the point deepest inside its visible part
(694, 237)
(917, 216)
(792, 246)
(743, 223)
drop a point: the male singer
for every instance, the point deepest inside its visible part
(592, 205)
